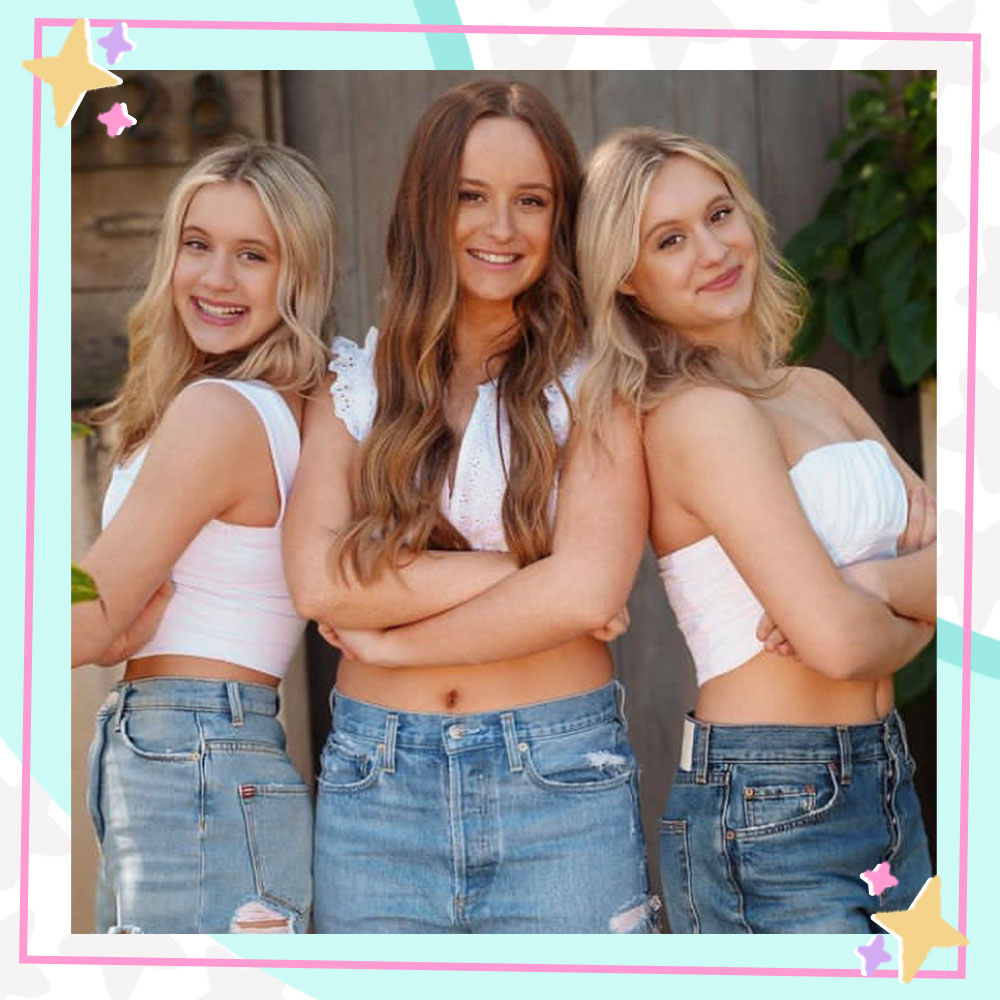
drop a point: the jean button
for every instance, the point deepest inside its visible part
(456, 732)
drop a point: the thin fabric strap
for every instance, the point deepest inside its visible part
(353, 391)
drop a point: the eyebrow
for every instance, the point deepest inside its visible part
(251, 240)
(532, 185)
(676, 222)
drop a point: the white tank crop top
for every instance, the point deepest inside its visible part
(230, 598)
(474, 504)
(855, 501)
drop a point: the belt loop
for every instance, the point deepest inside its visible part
(122, 691)
(703, 735)
(511, 742)
(894, 722)
(389, 743)
(844, 740)
(235, 703)
(620, 703)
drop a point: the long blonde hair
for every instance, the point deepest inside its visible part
(292, 357)
(634, 356)
(404, 460)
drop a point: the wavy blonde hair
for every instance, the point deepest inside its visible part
(634, 356)
(292, 357)
(403, 463)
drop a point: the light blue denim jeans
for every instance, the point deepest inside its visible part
(519, 821)
(204, 825)
(768, 828)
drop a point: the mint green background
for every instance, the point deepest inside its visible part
(50, 744)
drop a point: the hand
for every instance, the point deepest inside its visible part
(142, 629)
(364, 645)
(617, 626)
(921, 521)
(773, 638)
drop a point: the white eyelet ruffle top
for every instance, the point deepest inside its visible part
(230, 601)
(474, 503)
(855, 501)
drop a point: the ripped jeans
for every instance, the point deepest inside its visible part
(203, 824)
(519, 821)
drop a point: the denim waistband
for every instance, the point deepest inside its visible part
(454, 733)
(705, 744)
(195, 694)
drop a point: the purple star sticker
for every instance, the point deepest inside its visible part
(116, 43)
(879, 879)
(117, 119)
(872, 955)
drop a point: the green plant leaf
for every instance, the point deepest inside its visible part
(82, 586)
(912, 342)
(838, 319)
(901, 239)
(81, 430)
(916, 677)
(810, 249)
(867, 322)
(881, 202)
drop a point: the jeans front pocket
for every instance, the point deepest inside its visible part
(162, 734)
(675, 872)
(770, 798)
(588, 760)
(349, 763)
(279, 829)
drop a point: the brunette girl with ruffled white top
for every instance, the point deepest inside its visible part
(795, 774)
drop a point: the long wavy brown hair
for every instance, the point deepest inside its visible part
(292, 357)
(403, 463)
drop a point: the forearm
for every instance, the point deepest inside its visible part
(428, 584)
(545, 604)
(92, 634)
(907, 583)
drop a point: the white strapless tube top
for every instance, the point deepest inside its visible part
(855, 501)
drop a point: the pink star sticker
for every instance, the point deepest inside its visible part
(117, 119)
(879, 879)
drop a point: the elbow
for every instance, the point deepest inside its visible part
(841, 658)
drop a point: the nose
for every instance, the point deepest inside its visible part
(711, 248)
(218, 273)
(501, 225)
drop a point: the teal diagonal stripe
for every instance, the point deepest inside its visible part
(985, 651)
(447, 51)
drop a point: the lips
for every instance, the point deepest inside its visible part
(218, 312)
(725, 280)
(494, 259)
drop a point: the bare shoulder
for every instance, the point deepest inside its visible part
(206, 416)
(820, 382)
(692, 416)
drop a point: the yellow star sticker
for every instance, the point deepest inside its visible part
(920, 928)
(71, 73)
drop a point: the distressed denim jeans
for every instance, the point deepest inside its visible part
(519, 821)
(204, 825)
(768, 828)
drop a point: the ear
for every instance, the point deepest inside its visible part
(626, 287)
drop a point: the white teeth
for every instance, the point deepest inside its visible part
(494, 258)
(220, 312)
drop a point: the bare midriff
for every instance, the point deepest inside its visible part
(200, 667)
(561, 672)
(779, 690)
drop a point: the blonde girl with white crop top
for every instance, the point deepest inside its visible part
(764, 479)
(478, 778)
(203, 824)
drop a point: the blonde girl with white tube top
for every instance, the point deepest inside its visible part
(795, 775)
(203, 824)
